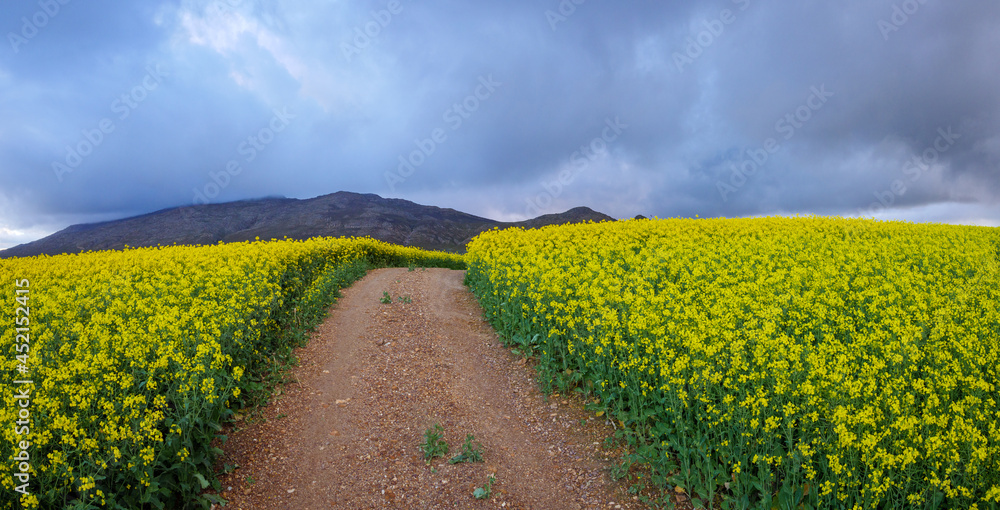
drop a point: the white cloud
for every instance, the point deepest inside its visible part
(954, 213)
(10, 237)
(240, 36)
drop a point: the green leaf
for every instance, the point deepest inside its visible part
(201, 479)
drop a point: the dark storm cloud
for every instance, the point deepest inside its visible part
(725, 107)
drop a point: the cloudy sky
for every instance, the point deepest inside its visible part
(505, 109)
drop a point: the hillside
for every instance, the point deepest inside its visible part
(339, 214)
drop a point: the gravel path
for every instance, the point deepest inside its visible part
(375, 376)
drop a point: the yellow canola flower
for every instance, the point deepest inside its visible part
(134, 352)
(858, 355)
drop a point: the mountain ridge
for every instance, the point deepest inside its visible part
(337, 214)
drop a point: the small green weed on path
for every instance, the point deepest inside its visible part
(485, 491)
(470, 452)
(434, 444)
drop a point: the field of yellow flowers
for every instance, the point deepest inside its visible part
(771, 362)
(135, 358)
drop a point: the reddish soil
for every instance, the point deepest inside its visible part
(375, 376)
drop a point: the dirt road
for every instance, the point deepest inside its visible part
(375, 376)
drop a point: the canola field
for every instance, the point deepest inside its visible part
(771, 362)
(136, 358)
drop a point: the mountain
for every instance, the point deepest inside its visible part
(338, 214)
